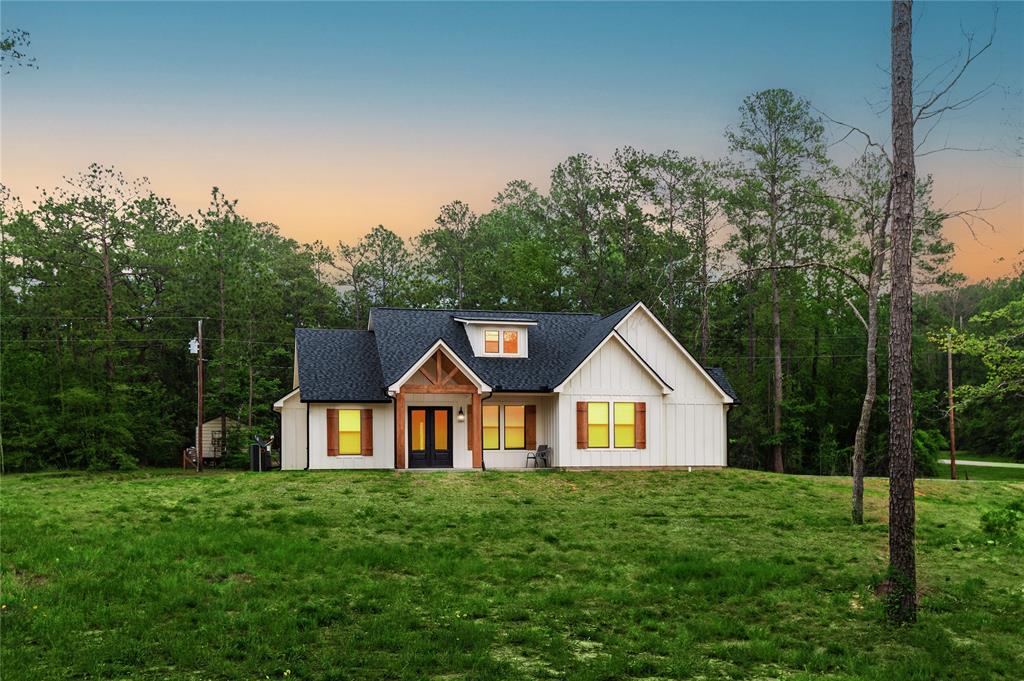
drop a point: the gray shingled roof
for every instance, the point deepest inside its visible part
(357, 366)
(403, 336)
(339, 365)
(718, 374)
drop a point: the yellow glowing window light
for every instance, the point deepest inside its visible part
(515, 426)
(625, 424)
(597, 424)
(349, 440)
(490, 416)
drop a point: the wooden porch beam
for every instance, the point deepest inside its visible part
(448, 377)
(400, 430)
(439, 389)
(476, 424)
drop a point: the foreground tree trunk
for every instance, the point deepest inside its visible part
(773, 246)
(877, 250)
(108, 306)
(777, 462)
(901, 605)
(870, 392)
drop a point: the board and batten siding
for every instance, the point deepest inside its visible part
(694, 413)
(383, 438)
(610, 375)
(547, 431)
(293, 433)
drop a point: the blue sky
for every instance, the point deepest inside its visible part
(328, 118)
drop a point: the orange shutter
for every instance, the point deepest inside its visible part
(640, 424)
(531, 426)
(366, 433)
(332, 432)
(582, 441)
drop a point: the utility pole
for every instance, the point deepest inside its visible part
(952, 420)
(199, 428)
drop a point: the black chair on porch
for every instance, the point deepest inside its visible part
(541, 457)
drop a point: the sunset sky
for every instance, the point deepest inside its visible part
(328, 119)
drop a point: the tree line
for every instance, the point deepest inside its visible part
(771, 262)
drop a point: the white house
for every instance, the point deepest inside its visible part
(461, 389)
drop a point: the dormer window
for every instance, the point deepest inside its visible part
(491, 342)
(494, 337)
(510, 342)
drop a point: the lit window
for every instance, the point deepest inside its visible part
(349, 440)
(418, 430)
(510, 341)
(490, 426)
(625, 424)
(597, 424)
(515, 426)
(441, 430)
(491, 341)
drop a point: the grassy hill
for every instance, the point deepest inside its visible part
(591, 575)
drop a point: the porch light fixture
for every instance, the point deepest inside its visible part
(461, 416)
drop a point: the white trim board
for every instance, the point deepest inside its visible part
(280, 403)
(496, 322)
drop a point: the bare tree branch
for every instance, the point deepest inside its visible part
(926, 110)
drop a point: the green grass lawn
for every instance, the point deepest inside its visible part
(589, 575)
(981, 473)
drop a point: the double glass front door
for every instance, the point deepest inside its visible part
(430, 437)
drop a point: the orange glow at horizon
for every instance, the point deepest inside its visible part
(337, 199)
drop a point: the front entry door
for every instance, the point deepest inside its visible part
(430, 437)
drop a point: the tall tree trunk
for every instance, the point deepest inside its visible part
(814, 354)
(870, 391)
(108, 300)
(777, 463)
(751, 333)
(705, 331)
(223, 414)
(776, 326)
(878, 243)
(901, 605)
(249, 423)
(249, 420)
(705, 312)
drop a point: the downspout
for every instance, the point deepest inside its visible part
(307, 437)
(728, 410)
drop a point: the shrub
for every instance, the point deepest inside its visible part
(1004, 522)
(928, 446)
